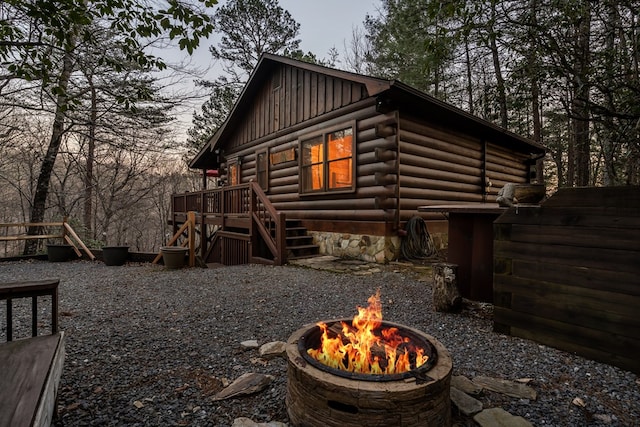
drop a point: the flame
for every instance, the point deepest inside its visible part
(363, 347)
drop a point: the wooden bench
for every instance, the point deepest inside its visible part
(31, 367)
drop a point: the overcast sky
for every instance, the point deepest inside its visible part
(323, 24)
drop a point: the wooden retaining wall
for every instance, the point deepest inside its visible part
(567, 273)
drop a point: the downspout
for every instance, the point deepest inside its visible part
(483, 171)
(396, 224)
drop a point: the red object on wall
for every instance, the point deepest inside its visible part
(213, 172)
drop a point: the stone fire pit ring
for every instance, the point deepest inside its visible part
(316, 397)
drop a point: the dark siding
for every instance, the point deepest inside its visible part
(566, 273)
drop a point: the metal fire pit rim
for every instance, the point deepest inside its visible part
(419, 373)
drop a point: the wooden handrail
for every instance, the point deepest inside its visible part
(238, 201)
(66, 228)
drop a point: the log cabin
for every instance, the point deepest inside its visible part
(315, 158)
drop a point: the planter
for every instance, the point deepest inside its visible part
(59, 253)
(115, 255)
(173, 256)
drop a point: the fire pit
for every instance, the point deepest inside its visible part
(403, 381)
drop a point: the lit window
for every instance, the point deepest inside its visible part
(327, 162)
(234, 173)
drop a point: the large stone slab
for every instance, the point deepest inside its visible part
(464, 384)
(498, 417)
(506, 387)
(465, 403)
(246, 384)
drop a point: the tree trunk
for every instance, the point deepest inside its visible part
(469, 72)
(534, 70)
(446, 296)
(44, 178)
(88, 178)
(502, 97)
(580, 105)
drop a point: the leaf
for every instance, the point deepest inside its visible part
(579, 402)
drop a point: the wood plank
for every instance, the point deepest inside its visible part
(586, 237)
(306, 96)
(329, 100)
(619, 352)
(584, 277)
(22, 386)
(337, 93)
(322, 90)
(313, 111)
(585, 312)
(581, 197)
(605, 217)
(47, 408)
(604, 259)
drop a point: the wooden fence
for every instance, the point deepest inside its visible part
(66, 234)
(566, 274)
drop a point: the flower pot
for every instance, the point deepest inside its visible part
(59, 253)
(173, 256)
(115, 255)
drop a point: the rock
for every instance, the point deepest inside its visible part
(248, 422)
(249, 344)
(465, 403)
(273, 349)
(245, 384)
(509, 388)
(465, 384)
(607, 419)
(498, 417)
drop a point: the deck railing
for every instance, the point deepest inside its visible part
(243, 218)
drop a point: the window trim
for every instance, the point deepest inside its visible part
(325, 162)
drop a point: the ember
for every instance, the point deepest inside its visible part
(364, 347)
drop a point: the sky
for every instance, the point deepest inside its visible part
(323, 24)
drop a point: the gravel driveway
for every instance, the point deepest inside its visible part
(150, 347)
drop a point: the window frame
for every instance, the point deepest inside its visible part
(325, 161)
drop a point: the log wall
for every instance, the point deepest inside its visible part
(566, 273)
(373, 202)
(400, 163)
(440, 166)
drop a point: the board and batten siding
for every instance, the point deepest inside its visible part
(290, 97)
(439, 167)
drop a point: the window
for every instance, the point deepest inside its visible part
(233, 173)
(262, 168)
(326, 162)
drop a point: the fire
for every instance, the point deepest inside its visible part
(363, 347)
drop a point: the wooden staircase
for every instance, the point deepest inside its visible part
(239, 225)
(299, 243)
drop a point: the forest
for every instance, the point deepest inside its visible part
(87, 126)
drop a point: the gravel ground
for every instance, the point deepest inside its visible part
(148, 346)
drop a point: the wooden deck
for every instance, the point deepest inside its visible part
(32, 369)
(237, 224)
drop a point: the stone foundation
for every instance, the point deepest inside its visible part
(380, 249)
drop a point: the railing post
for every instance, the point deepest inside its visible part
(191, 235)
(253, 235)
(281, 239)
(203, 225)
